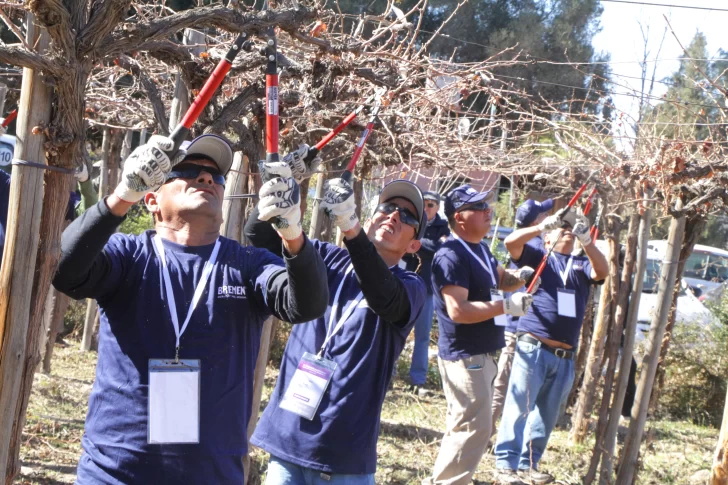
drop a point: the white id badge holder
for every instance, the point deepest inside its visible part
(566, 302)
(500, 320)
(174, 401)
(307, 387)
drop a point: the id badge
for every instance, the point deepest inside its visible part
(174, 401)
(308, 385)
(500, 320)
(566, 303)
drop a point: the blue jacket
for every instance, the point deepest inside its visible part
(437, 231)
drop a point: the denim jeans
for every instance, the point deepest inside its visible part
(539, 382)
(420, 360)
(282, 472)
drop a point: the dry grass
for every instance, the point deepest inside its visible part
(408, 444)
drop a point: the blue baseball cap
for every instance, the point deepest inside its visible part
(465, 195)
(529, 211)
(432, 196)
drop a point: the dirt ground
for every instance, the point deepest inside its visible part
(674, 452)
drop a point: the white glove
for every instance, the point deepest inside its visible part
(525, 274)
(339, 204)
(280, 201)
(81, 173)
(517, 304)
(296, 162)
(553, 222)
(3, 130)
(581, 230)
(146, 168)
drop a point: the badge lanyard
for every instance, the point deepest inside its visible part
(335, 309)
(565, 299)
(564, 274)
(481, 261)
(313, 374)
(495, 294)
(199, 289)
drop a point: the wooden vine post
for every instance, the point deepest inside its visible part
(21, 244)
(630, 327)
(585, 402)
(630, 451)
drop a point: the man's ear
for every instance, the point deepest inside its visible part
(150, 201)
(414, 246)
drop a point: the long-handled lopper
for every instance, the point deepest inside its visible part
(362, 141)
(9, 118)
(182, 130)
(546, 257)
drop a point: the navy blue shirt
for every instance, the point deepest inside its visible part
(512, 327)
(542, 319)
(224, 333)
(437, 229)
(342, 437)
(453, 265)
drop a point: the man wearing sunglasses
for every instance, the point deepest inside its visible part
(182, 310)
(330, 436)
(468, 283)
(421, 263)
(547, 336)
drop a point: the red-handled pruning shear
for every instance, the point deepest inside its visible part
(182, 130)
(546, 257)
(314, 150)
(9, 119)
(362, 141)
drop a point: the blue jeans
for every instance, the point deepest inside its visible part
(539, 382)
(423, 326)
(282, 472)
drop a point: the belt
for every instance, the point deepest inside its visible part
(560, 353)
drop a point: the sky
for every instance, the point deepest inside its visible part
(622, 39)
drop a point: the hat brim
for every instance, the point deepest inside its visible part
(487, 196)
(406, 190)
(213, 147)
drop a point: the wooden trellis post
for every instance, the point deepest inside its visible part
(630, 451)
(21, 244)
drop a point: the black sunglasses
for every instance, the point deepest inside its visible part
(431, 204)
(192, 171)
(477, 206)
(405, 215)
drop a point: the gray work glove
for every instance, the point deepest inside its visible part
(517, 304)
(146, 169)
(280, 201)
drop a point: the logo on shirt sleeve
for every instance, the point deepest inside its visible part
(236, 292)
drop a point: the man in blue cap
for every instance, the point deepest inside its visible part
(468, 283)
(529, 214)
(182, 311)
(321, 424)
(436, 233)
(543, 366)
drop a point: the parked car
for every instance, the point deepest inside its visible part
(706, 270)
(689, 308)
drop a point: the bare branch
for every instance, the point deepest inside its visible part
(160, 113)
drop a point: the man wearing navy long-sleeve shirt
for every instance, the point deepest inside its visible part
(182, 310)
